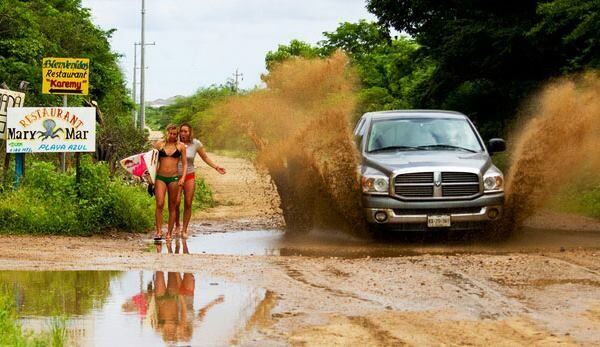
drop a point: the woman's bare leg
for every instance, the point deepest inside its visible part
(160, 287)
(189, 188)
(173, 189)
(160, 189)
(177, 217)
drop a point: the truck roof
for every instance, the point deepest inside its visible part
(415, 113)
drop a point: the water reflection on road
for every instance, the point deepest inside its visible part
(136, 308)
(332, 244)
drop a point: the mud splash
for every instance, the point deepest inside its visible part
(300, 127)
(561, 140)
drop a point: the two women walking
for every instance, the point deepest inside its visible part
(176, 175)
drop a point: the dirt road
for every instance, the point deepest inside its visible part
(543, 289)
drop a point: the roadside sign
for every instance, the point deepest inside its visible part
(8, 98)
(51, 129)
(65, 76)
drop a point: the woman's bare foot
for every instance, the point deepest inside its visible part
(177, 231)
(184, 234)
(158, 236)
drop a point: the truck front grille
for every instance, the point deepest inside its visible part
(415, 191)
(459, 177)
(418, 177)
(460, 190)
(437, 185)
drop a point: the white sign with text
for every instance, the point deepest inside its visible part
(8, 98)
(51, 129)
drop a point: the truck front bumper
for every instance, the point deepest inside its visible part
(464, 214)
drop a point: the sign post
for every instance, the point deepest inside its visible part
(63, 155)
(9, 98)
(66, 76)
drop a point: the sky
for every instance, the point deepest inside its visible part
(199, 43)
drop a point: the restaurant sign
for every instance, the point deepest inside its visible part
(51, 129)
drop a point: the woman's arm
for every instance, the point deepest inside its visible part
(183, 157)
(210, 163)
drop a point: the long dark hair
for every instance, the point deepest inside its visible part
(186, 124)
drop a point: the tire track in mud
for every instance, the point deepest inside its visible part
(573, 264)
(485, 292)
(482, 299)
(381, 336)
(298, 276)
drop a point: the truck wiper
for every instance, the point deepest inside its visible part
(402, 148)
(447, 146)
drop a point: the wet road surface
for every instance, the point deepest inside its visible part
(330, 244)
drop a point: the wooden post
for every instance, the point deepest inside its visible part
(19, 169)
(6, 167)
(63, 156)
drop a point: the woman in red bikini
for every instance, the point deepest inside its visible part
(193, 146)
(167, 178)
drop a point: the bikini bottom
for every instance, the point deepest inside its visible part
(167, 180)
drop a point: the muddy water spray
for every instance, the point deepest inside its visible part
(300, 125)
(561, 137)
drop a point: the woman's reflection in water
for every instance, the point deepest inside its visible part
(180, 246)
(168, 304)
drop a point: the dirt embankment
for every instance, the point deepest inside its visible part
(245, 198)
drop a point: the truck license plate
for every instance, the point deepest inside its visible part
(438, 221)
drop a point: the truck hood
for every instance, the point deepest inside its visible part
(417, 161)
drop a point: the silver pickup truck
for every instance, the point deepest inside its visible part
(427, 169)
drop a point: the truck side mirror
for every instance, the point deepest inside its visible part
(496, 145)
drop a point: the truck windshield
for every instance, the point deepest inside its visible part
(423, 134)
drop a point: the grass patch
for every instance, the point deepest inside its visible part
(51, 202)
(58, 331)
(11, 333)
(203, 195)
(580, 196)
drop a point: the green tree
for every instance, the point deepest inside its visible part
(569, 30)
(391, 70)
(188, 108)
(356, 39)
(392, 73)
(490, 55)
(33, 30)
(296, 48)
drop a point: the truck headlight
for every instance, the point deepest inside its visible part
(493, 182)
(375, 184)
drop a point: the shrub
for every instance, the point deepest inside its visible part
(11, 329)
(50, 202)
(580, 195)
(203, 196)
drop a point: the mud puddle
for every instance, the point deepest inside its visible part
(104, 308)
(336, 244)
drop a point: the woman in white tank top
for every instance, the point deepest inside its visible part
(193, 146)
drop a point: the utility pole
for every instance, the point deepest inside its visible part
(142, 73)
(237, 75)
(134, 87)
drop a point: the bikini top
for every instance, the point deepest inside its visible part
(162, 153)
